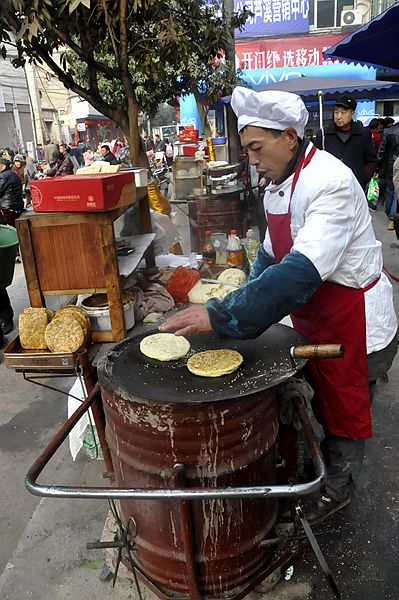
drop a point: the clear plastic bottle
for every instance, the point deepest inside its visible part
(252, 246)
(208, 251)
(235, 255)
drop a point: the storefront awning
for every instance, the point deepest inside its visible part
(375, 44)
(332, 87)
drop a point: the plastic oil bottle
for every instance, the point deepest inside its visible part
(252, 246)
(235, 255)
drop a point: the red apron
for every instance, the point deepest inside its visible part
(334, 314)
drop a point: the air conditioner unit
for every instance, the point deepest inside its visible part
(351, 17)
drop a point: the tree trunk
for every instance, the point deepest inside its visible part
(138, 155)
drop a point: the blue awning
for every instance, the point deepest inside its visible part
(332, 87)
(375, 44)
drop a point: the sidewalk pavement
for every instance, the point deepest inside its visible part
(43, 540)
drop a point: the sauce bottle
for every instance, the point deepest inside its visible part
(235, 255)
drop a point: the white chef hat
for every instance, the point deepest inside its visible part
(269, 109)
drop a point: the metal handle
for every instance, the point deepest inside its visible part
(318, 351)
(118, 493)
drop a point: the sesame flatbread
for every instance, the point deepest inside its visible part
(64, 334)
(214, 363)
(32, 326)
(164, 346)
(78, 314)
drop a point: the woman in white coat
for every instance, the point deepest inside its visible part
(320, 263)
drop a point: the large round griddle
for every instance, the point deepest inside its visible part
(267, 362)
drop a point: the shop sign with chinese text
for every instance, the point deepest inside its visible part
(305, 51)
(274, 17)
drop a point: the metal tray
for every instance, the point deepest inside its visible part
(16, 357)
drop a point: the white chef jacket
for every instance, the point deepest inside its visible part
(331, 225)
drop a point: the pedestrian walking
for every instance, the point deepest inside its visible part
(349, 140)
(11, 206)
(387, 155)
(49, 150)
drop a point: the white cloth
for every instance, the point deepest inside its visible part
(271, 110)
(331, 226)
(78, 390)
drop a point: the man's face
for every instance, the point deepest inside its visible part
(17, 163)
(62, 148)
(343, 116)
(103, 151)
(269, 153)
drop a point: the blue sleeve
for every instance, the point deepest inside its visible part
(275, 293)
(261, 262)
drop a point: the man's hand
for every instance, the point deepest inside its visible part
(191, 320)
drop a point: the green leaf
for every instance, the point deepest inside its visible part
(73, 5)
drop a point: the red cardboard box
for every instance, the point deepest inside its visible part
(190, 150)
(189, 135)
(83, 193)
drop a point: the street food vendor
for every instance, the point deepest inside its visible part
(320, 263)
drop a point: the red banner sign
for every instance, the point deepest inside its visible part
(306, 51)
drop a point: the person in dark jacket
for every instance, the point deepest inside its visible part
(11, 200)
(107, 155)
(159, 144)
(11, 206)
(387, 155)
(77, 152)
(349, 140)
(19, 166)
(63, 165)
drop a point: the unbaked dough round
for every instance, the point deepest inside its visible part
(164, 346)
(232, 276)
(214, 363)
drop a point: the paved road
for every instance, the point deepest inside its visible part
(42, 549)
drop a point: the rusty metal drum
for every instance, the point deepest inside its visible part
(167, 428)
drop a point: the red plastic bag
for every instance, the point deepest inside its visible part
(181, 283)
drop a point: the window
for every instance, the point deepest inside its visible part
(327, 13)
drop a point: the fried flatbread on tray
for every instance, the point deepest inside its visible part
(64, 334)
(32, 327)
(78, 313)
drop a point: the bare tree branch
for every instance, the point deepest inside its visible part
(98, 64)
(87, 41)
(113, 112)
(110, 28)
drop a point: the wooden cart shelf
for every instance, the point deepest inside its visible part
(75, 253)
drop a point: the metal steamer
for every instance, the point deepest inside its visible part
(195, 467)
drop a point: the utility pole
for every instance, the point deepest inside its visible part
(232, 133)
(36, 105)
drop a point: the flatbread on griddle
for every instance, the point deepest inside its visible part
(64, 334)
(214, 363)
(164, 346)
